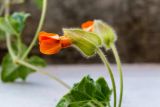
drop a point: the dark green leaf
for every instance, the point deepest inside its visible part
(11, 71)
(86, 42)
(87, 93)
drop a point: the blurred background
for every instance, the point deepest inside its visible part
(136, 22)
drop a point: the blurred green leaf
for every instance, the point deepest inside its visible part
(14, 24)
(20, 19)
(38, 3)
(87, 93)
(86, 42)
(12, 71)
(6, 27)
(106, 32)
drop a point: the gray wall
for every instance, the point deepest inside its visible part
(136, 22)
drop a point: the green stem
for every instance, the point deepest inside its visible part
(8, 39)
(42, 72)
(105, 61)
(44, 8)
(119, 66)
(19, 45)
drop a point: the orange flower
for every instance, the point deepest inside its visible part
(87, 26)
(51, 43)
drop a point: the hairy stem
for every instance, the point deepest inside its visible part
(44, 8)
(119, 66)
(105, 61)
(42, 72)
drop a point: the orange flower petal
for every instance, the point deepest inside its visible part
(65, 41)
(45, 35)
(50, 46)
(88, 26)
(49, 43)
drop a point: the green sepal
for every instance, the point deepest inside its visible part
(86, 42)
(87, 93)
(106, 33)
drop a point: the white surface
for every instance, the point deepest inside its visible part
(142, 86)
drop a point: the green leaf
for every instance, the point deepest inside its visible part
(6, 27)
(35, 60)
(87, 93)
(14, 24)
(106, 33)
(12, 71)
(19, 19)
(38, 3)
(86, 42)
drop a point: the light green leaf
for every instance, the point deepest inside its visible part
(6, 27)
(86, 42)
(106, 33)
(87, 93)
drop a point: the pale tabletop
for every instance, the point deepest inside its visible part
(141, 85)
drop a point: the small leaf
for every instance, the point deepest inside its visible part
(20, 19)
(14, 24)
(106, 33)
(87, 93)
(6, 27)
(35, 60)
(38, 3)
(86, 42)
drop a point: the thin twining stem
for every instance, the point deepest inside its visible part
(44, 8)
(42, 72)
(106, 63)
(119, 66)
